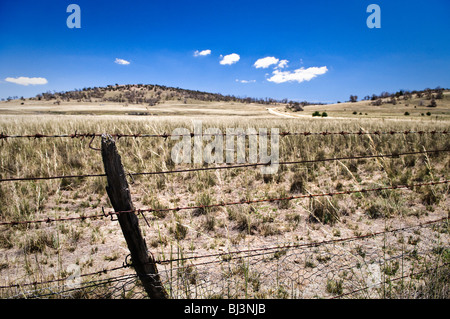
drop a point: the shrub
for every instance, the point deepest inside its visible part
(316, 113)
(243, 219)
(391, 269)
(298, 183)
(377, 102)
(375, 211)
(335, 286)
(283, 204)
(203, 199)
(37, 242)
(267, 178)
(435, 284)
(210, 222)
(406, 113)
(432, 103)
(429, 196)
(324, 211)
(180, 231)
(6, 240)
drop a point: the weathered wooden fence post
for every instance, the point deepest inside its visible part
(120, 197)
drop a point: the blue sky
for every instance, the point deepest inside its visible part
(331, 52)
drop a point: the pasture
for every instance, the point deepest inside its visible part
(306, 238)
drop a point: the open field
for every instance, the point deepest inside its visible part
(417, 108)
(41, 252)
(171, 108)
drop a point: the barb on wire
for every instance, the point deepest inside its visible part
(222, 204)
(91, 147)
(393, 155)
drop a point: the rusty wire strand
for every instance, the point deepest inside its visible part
(302, 245)
(222, 204)
(260, 251)
(393, 155)
(191, 134)
(99, 272)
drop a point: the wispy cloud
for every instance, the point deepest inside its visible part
(245, 81)
(23, 80)
(202, 53)
(282, 64)
(121, 61)
(264, 63)
(299, 75)
(230, 59)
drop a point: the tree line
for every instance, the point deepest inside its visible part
(428, 94)
(153, 94)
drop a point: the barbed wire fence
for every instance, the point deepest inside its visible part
(354, 267)
(364, 266)
(4, 136)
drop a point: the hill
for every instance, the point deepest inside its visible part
(424, 104)
(142, 99)
(150, 94)
(152, 100)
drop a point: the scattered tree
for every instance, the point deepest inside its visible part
(432, 103)
(377, 102)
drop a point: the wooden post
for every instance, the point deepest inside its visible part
(120, 197)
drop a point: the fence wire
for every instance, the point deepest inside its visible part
(399, 263)
(4, 136)
(360, 267)
(214, 168)
(141, 211)
(410, 262)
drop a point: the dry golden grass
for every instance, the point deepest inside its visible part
(44, 251)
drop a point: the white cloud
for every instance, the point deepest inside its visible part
(298, 75)
(245, 81)
(266, 62)
(23, 80)
(121, 61)
(230, 59)
(202, 53)
(282, 64)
